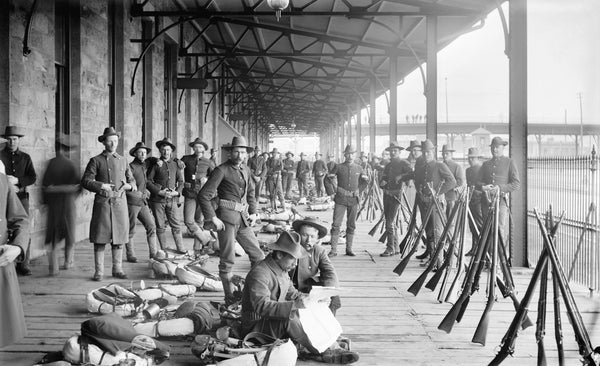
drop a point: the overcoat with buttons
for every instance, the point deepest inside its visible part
(110, 219)
(315, 263)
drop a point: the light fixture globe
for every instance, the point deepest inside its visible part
(278, 6)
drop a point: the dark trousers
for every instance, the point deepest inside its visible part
(475, 208)
(503, 216)
(302, 186)
(25, 202)
(319, 186)
(275, 192)
(284, 328)
(258, 187)
(390, 212)
(245, 236)
(330, 186)
(338, 216)
(286, 182)
(143, 214)
(434, 226)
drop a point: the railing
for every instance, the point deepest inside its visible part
(569, 184)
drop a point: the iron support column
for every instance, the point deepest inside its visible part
(431, 87)
(518, 126)
(349, 126)
(372, 111)
(358, 126)
(342, 142)
(393, 110)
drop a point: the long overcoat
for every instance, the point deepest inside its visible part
(13, 217)
(110, 220)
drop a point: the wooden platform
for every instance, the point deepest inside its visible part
(387, 325)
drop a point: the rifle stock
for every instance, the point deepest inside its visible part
(404, 262)
(376, 227)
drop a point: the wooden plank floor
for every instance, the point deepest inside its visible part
(387, 325)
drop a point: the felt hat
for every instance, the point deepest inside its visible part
(427, 145)
(274, 151)
(446, 148)
(349, 149)
(310, 221)
(289, 153)
(108, 131)
(414, 145)
(199, 141)
(65, 141)
(302, 154)
(12, 131)
(238, 141)
(474, 153)
(289, 242)
(394, 145)
(139, 145)
(497, 141)
(165, 141)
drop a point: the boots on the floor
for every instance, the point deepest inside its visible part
(117, 262)
(98, 262)
(130, 252)
(349, 242)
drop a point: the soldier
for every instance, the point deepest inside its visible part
(329, 181)
(346, 199)
(289, 168)
(391, 183)
(108, 175)
(137, 202)
(319, 171)
(232, 184)
(363, 161)
(274, 169)
(459, 175)
(415, 153)
(501, 173)
(196, 172)
(439, 177)
(21, 174)
(257, 165)
(302, 173)
(213, 156)
(165, 183)
(472, 174)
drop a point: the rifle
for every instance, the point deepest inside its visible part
(540, 330)
(416, 286)
(377, 225)
(415, 239)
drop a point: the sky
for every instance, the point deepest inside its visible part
(563, 63)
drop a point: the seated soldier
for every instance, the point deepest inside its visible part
(315, 269)
(270, 303)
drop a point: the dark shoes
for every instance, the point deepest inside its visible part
(132, 259)
(120, 275)
(423, 255)
(97, 277)
(386, 254)
(350, 253)
(332, 254)
(336, 356)
(23, 269)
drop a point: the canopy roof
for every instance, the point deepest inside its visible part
(318, 60)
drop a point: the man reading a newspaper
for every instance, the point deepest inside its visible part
(270, 303)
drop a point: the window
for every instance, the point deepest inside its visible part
(111, 63)
(170, 93)
(62, 47)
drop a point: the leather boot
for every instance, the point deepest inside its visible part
(152, 245)
(179, 242)
(117, 262)
(349, 242)
(162, 240)
(334, 242)
(425, 254)
(228, 288)
(98, 262)
(69, 255)
(130, 253)
(52, 260)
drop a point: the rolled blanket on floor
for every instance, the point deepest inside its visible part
(194, 275)
(163, 268)
(156, 293)
(206, 317)
(178, 290)
(113, 299)
(166, 328)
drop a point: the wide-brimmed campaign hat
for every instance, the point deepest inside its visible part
(446, 148)
(414, 145)
(289, 242)
(108, 131)
(12, 131)
(474, 153)
(198, 140)
(139, 145)
(65, 142)
(310, 221)
(165, 141)
(274, 151)
(238, 141)
(394, 145)
(497, 141)
(289, 153)
(427, 145)
(349, 149)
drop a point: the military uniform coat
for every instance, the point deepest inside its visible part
(348, 175)
(195, 169)
(110, 217)
(316, 263)
(165, 174)
(14, 218)
(459, 175)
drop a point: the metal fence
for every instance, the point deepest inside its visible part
(569, 184)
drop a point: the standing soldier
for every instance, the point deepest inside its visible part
(319, 171)
(415, 153)
(391, 183)
(472, 174)
(459, 175)
(196, 172)
(21, 174)
(302, 172)
(329, 181)
(501, 173)
(108, 175)
(137, 202)
(60, 186)
(289, 168)
(274, 169)
(165, 183)
(346, 199)
(231, 182)
(258, 167)
(437, 175)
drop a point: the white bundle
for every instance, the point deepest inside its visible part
(166, 328)
(156, 293)
(97, 302)
(204, 281)
(178, 290)
(72, 354)
(162, 267)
